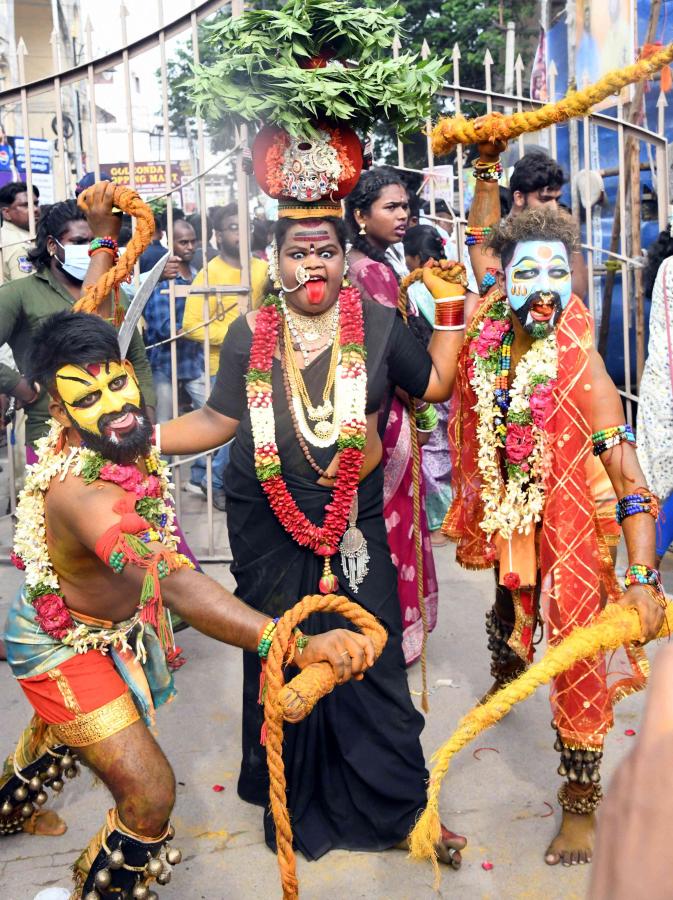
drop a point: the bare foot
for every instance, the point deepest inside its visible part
(574, 843)
(45, 822)
(448, 849)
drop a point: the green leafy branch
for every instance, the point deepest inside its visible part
(257, 75)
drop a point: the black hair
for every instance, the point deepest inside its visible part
(54, 222)
(195, 221)
(537, 223)
(260, 235)
(441, 206)
(161, 221)
(218, 213)
(535, 171)
(657, 252)
(505, 202)
(367, 191)
(10, 191)
(69, 338)
(126, 230)
(424, 241)
(414, 204)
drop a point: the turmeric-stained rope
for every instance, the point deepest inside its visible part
(294, 701)
(458, 130)
(454, 275)
(129, 202)
(614, 627)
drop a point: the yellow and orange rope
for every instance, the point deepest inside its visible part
(458, 130)
(293, 702)
(128, 201)
(453, 274)
(614, 627)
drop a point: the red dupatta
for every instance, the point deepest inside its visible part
(575, 565)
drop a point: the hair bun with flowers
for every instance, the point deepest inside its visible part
(310, 74)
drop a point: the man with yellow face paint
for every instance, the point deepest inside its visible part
(89, 634)
(533, 397)
(105, 405)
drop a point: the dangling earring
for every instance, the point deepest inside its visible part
(274, 267)
(363, 228)
(344, 279)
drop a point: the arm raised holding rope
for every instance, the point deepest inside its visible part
(637, 508)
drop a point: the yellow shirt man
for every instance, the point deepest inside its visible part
(220, 272)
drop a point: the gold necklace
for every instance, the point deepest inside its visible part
(323, 432)
(311, 329)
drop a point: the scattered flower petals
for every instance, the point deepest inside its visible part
(486, 865)
(629, 732)
(551, 810)
(479, 750)
(218, 788)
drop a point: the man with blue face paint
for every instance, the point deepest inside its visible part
(533, 396)
(538, 285)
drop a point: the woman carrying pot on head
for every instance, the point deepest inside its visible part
(300, 384)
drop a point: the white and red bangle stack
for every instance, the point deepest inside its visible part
(450, 313)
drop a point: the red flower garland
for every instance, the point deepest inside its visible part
(323, 540)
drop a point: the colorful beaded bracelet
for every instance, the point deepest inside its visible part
(266, 637)
(487, 171)
(632, 504)
(100, 243)
(477, 234)
(607, 438)
(642, 574)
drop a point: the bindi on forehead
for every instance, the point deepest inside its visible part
(545, 252)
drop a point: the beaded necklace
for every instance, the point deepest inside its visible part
(323, 540)
(290, 405)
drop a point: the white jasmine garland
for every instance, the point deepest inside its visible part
(30, 535)
(514, 503)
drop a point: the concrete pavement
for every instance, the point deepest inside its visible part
(501, 799)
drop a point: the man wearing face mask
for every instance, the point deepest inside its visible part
(533, 397)
(61, 260)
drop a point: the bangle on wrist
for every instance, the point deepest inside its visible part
(427, 420)
(450, 314)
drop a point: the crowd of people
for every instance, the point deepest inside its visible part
(419, 389)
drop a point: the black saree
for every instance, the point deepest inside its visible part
(355, 769)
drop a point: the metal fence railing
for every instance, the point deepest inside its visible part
(19, 102)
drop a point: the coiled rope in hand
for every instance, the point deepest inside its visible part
(294, 702)
(129, 202)
(614, 627)
(455, 275)
(458, 130)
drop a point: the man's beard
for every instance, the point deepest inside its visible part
(119, 449)
(539, 329)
